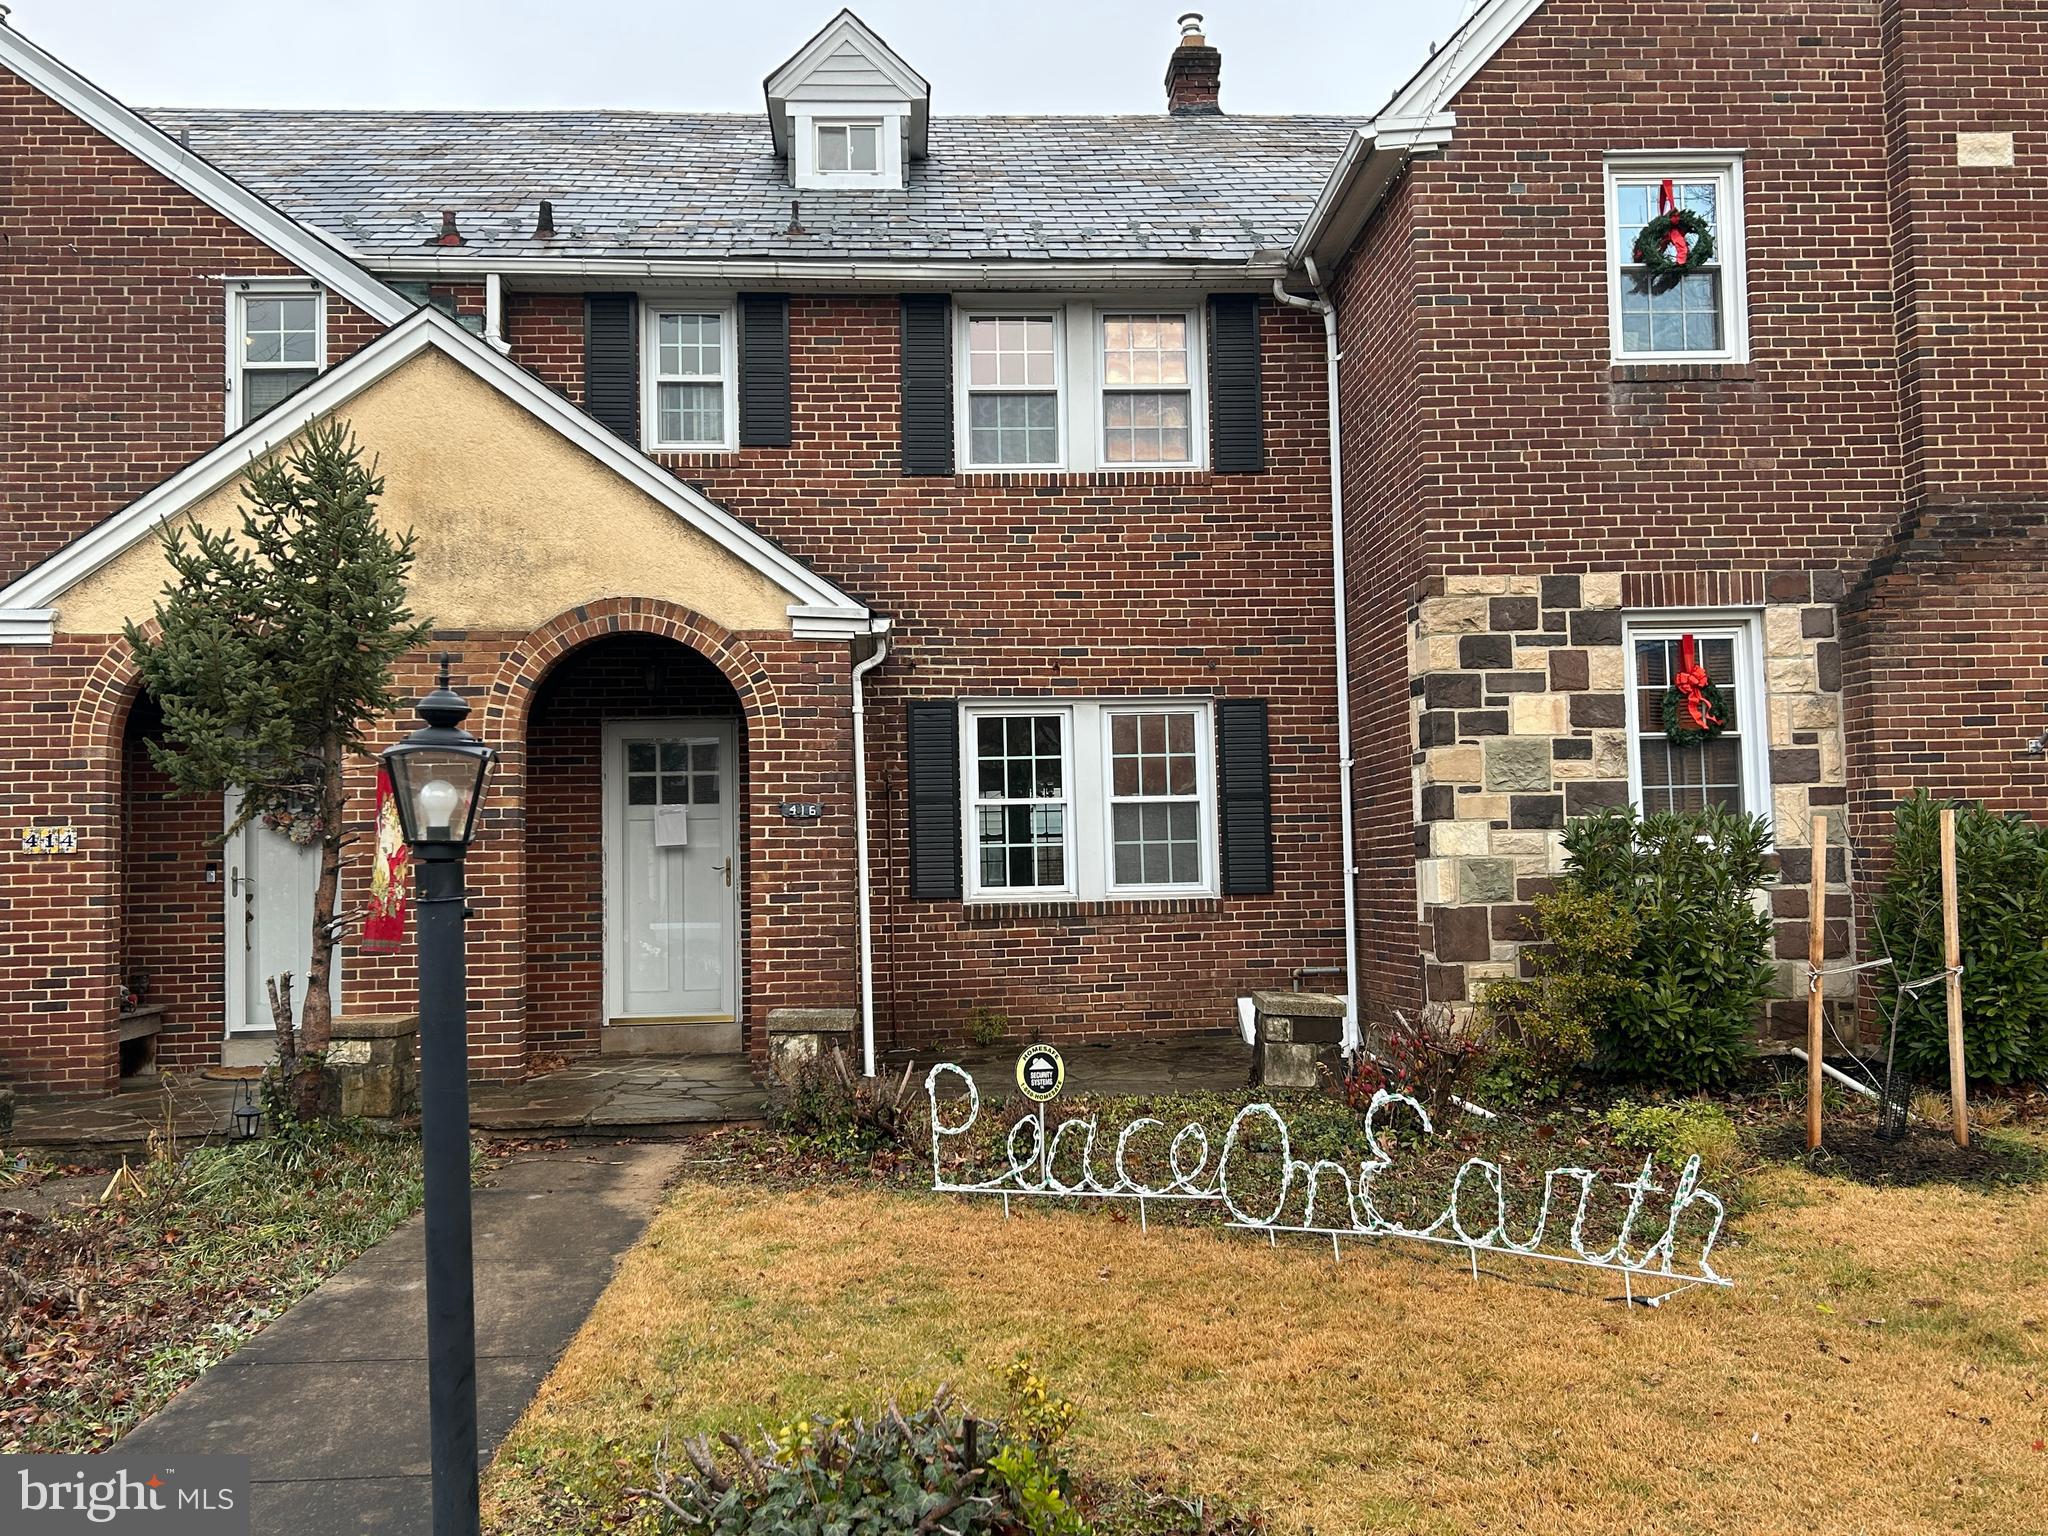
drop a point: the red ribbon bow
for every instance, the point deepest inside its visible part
(1667, 203)
(1691, 682)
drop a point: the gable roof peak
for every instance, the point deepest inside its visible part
(846, 62)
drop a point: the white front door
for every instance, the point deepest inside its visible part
(269, 927)
(672, 877)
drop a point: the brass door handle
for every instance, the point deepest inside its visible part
(728, 871)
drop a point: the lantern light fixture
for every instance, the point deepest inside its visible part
(437, 773)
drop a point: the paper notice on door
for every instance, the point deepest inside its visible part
(672, 826)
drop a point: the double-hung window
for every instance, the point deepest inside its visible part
(1732, 769)
(1013, 391)
(1089, 799)
(1699, 316)
(278, 346)
(1148, 411)
(690, 377)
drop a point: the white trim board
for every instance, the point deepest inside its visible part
(315, 255)
(817, 608)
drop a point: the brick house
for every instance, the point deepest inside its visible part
(894, 553)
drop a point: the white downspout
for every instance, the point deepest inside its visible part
(862, 881)
(1353, 1035)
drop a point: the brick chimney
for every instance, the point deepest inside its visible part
(1194, 72)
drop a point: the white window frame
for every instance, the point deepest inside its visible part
(847, 125)
(1090, 846)
(239, 290)
(888, 120)
(1745, 628)
(964, 392)
(1077, 376)
(1196, 388)
(1730, 244)
(651, 380)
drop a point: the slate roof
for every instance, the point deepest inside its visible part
(631, 184)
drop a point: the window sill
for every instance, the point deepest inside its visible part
(982, 912)
(1156, 474)
(1683, 373)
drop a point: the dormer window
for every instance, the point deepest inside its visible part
(849, 147)
(847, 113)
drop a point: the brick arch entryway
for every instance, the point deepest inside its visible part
(621, 680)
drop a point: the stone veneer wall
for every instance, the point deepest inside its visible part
(1519, 718)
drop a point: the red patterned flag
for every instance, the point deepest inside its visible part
(384, 921)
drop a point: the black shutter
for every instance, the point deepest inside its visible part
(935, 800)
(1237, 437)
(1245, 762)
(927, 384)
(764, 370)
(611, 362)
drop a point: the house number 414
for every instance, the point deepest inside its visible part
(49, 839)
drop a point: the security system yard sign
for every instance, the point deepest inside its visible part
(1040, 1073)
(1327, 1199)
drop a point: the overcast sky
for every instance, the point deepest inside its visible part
(1021, 56)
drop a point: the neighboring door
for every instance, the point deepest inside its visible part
(672, 877)
(269, 927)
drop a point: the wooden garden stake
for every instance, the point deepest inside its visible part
(1952, 957)
(1816, 951)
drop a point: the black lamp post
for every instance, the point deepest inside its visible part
(437, 779)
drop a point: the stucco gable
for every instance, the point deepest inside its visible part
(514, 524)
(523, 505)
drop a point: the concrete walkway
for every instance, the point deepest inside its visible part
(330, 1401)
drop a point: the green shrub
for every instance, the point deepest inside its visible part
(1543, 1026)
(1700, 959)
(822, 1102)
(2002, 901)
(932, 1470)
(1675, 1132)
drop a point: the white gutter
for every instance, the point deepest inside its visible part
(1353, 1034)
(799, 272)
(494, 312)
(863, 882)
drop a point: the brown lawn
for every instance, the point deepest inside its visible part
(1880, 1367)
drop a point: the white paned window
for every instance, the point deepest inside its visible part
(279, 347)
(1013, 391)
(1155, 798)
(1147, 389)
(1089, 799)
(1702, 315)
(849, 146)
(1021, 804)
(690, 378)
(1731, 770)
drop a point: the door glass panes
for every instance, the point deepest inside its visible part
(1679, 779)
(1155, 804)
(670, 771)
(1020, 801)
(1682, 315)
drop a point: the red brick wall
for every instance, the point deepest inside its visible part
(1075, 585)
(1536, 451)
(113, 313)
(1381, 395)
(633, 676)
(170, 914)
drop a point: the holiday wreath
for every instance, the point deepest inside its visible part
(1694, 710)
(1674, 243)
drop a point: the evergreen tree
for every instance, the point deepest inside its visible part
(273, 661)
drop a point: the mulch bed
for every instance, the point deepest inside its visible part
(1925, 1155)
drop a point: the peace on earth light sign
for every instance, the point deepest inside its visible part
(1261, 1186)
